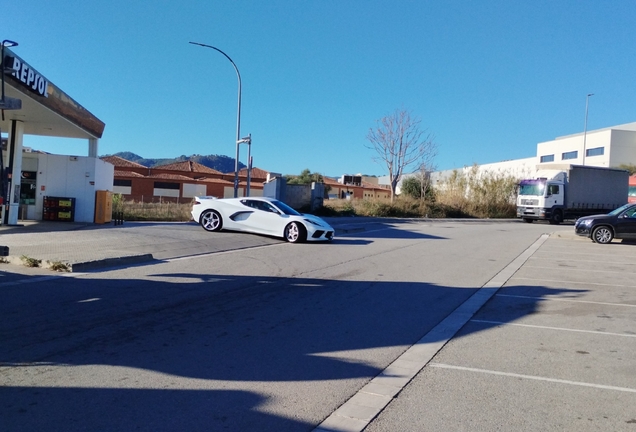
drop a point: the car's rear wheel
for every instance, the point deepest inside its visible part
(602, 235)
(211, 220)
(295, 233)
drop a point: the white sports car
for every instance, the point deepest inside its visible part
(259, 215)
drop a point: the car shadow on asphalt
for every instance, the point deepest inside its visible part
(220, 329)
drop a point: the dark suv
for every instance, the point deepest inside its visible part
(620, 224)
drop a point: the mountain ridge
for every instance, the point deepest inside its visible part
(224, 164)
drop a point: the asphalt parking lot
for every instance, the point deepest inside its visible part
(554, 349)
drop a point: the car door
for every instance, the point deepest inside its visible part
(264, 218)
(626, 224)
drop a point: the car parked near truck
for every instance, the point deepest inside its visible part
(603, 228)
(560, 192)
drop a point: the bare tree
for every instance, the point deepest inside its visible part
(400, 144)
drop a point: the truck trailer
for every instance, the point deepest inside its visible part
(559, 192)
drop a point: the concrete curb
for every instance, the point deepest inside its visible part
(64, 266)
(111, 262)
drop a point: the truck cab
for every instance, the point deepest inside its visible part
(541, 199)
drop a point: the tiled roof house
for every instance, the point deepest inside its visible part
(182, 181)
(179, 181)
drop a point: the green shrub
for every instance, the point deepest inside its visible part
(30, 262)
(118, 201)
(413, 186)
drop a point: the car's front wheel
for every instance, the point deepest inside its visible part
(602, 235)
(211, 220)
(295, 233)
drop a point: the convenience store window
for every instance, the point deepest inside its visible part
(28, 187)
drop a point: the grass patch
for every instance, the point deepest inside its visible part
(405, 207)
(59, 267)
(30, 262)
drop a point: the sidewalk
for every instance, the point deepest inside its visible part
(79, 246)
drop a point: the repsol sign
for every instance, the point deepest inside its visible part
(26, 75)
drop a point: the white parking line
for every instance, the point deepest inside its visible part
(552, 328)
(579, 269)
(572, 282)
(571, 257)
(532, 377)
(565, 300)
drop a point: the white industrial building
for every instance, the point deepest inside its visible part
(607, 147)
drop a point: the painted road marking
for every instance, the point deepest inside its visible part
(553, 328)
(566, 300)
(532, 377)
(578, 269)
(572, 282)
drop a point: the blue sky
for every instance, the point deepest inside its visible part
(489, 79)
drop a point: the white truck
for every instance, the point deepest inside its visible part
(560, 192)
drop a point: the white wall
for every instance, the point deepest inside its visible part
(623, 149)
(519, 168)
(72, 177)
(593, 139)
(104, 175)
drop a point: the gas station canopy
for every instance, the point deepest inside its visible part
(46, 110)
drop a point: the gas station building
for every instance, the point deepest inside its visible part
(42, 186)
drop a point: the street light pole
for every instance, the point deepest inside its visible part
(247, 140)
(587, 101)
(238, 117)
(249, 165)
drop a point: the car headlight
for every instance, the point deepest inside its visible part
(313, 222)
(585, 222)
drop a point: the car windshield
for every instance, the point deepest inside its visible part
(620, 209)
(531, 187)
(285, 208)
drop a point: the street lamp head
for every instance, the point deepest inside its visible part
(244, 140)
(9, 43)
(591, 94)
